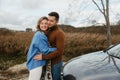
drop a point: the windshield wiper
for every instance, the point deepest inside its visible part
(105, 50)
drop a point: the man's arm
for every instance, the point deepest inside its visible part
(60, 38)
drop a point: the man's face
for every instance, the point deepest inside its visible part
(52, 21)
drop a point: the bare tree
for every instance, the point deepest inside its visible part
(118, 19)
(75, 8)
(105, 11)
(118, 23)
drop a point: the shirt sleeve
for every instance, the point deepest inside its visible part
(41, 43)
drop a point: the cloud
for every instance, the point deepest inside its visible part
(22, 11)
(25, 13)
(82, 12)
(33, 4)
(9, 18)
(12, 27)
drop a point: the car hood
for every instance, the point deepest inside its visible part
(96, 63)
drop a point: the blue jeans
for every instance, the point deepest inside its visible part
(56, 71)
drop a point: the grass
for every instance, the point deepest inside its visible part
(10, 60)
(14, 45)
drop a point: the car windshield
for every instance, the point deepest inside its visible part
(114, 51)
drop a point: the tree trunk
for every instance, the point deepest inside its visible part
(108, 23)
(105, 12)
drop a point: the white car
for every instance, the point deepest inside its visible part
(101, 65)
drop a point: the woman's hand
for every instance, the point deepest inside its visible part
(38, 56)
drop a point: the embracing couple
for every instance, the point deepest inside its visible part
(47, 44)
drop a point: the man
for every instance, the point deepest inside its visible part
(56, 39)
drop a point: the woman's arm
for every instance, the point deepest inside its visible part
(41, 42)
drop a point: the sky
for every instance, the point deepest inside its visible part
(22, 14)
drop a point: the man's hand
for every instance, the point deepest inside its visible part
(38, 57)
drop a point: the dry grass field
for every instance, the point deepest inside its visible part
(78, 41)
(13, 45)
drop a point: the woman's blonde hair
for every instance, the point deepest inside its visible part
(39, 21)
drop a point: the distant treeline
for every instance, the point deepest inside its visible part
(115, 29)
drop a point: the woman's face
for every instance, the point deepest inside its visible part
(44, 25)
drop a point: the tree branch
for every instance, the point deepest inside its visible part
(98, 7)
(115, 64)
(103, 6)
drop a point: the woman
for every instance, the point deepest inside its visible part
(39, 44)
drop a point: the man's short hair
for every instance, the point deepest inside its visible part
(55, 14)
